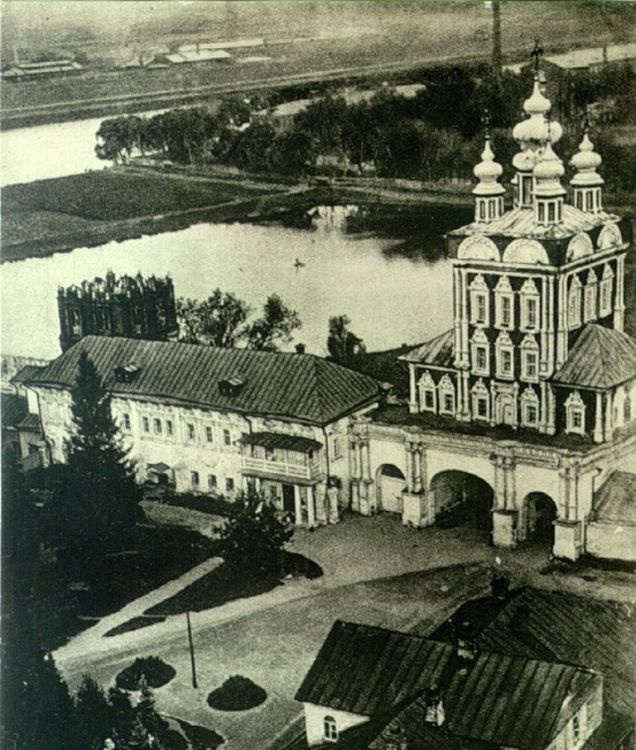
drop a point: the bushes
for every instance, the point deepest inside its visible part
(155, 671)
(237, 694)
(215, 505)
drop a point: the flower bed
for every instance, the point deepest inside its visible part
(155, 671)
(237, 693)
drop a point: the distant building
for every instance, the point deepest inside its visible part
(215, 421)
(26, 71)
(189, 57)
(138, 307)
(376, 689)
(585, 58)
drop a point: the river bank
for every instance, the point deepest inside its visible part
(57, 215)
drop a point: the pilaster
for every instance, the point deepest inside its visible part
(598, 418)
(609, 418)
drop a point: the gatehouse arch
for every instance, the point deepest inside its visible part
(390, 483)
(459, 498)
(538, 514)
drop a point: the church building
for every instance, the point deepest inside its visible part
(532, 390)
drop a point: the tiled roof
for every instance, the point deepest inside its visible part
(293, 386)
(579, 630)
(14, 409)
(521, 222)
(282, 441)
(600, 358)
(615, 501)
(510, 701)
(437, 351)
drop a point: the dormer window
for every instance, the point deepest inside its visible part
(127, 373)
(232, 386)
(428, 394)
(330, 729)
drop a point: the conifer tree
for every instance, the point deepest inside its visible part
(101, 496)
(93, 714)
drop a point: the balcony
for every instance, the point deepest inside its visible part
(281, 457)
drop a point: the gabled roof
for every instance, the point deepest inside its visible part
(510, 701)
(598, 633)
(437, 351)
(521, 222)
(301, 387)
(600, 358)
(615, 501)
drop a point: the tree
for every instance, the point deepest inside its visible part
(99, 503)
(342, 344)
(294, 152)
(275, 326)
(93, 714)
(217, 321)
(254, 536)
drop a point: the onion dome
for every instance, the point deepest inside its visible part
(488, 171)
(535, 128)
(586, 161)
(548, 172)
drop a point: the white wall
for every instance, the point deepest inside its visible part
(314, 721)
(610, 540)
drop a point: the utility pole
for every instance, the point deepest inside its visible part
(191, 644)
(496, 38)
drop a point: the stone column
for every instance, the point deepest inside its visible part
(311, 508)
(408, 450)
(332, 504)
(417, 460)
(298, 513)
(564, 493)
(619, 300)
(365, 505)
(609, 418)
(493, 404)
(457, 316)
(551, 427)
(598, 418)
(320, 497)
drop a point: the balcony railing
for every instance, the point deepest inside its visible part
(311, 470)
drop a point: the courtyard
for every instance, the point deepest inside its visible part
(375, 571)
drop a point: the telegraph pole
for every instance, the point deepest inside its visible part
(191, 645)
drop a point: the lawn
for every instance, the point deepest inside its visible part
(114, 195)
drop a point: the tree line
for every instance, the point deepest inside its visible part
(435, 134)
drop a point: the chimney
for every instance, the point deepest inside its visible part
(300, 348)
(434, 713)
(499, 587)
(465, 641)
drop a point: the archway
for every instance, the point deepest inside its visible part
(540, 514)
(462, 499)
(389, 482)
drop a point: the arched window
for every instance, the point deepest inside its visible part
(481, 402)
(479, 312)
(529, 359)
(605, 304)
(428, 395)
(480, 353)
(575, 414)
(330, 729)
(529, 408)
(504, 356)
(530, 298)
(504, 304)
(574, 303)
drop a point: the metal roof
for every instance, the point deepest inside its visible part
(300, 387)
(521, 222)
(600, 358)
(615, 502)
(438, 351)
(14, 409)
(278, 440)
(598, 633)
(510, 701)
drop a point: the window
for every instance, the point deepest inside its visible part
(529, 306)
(269, 454)
(589, 303)
(482, 407)
(531, 414)
(574, 303)
(531, 312)
(428, 397)
(529, 359)
(227, 437)
(194, 479)
(337, 447)
(575, 414)
(211, 481)
(229, 484)
(480, 353)
(541, 207)
(505, 357)
(157, 425)
(579, 727)
(605, 305)
(169, 428)
(551, 212)
(191, 432)
(330, 729)
(526, 191)
(480, 400)
(504, 297)
(127, 425)
(530, 365)
(446, 396)
(479, 301)
(208, 434)
(145, 423)
(529, 408)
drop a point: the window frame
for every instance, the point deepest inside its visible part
(606, 291)
(574, 303)
(330, 729)
(127, 423)
(157, 426)
(212, 482)
(230, 485)
(575, 411)
(227, 437)
(169, 428)
(195, 480)
(145, 425)
(191, 432)
(209, 434)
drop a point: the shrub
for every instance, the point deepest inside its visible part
(215, 505)
(155, 671)
(237, 694)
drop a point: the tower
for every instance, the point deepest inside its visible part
(537, 342)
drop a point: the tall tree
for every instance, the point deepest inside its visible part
(217, 321)
(275, 327)
(93, 715)
(100, 499)
(342, 344)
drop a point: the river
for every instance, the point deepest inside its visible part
(390, 298)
